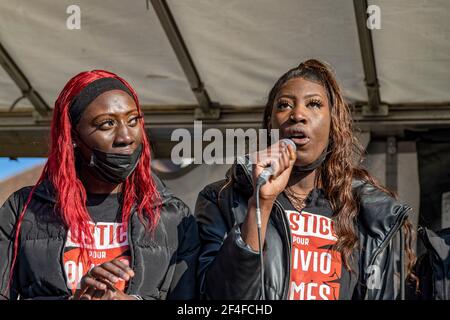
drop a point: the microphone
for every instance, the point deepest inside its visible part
(262, 179)
(269, 171)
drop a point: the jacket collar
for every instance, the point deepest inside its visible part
(46, 191)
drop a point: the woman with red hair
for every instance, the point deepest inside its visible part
(97, 224)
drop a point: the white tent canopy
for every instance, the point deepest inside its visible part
(238, 48)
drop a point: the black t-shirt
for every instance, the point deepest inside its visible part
(317, 271)
(110, 239)
(104, 207)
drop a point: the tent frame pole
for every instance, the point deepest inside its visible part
(19, 78)
(374, 107)
(207, 109)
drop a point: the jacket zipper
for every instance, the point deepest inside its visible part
(287, 234)
(69, 291)
(130, 243)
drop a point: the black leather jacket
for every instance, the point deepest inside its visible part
(229, 269)
(164, 266)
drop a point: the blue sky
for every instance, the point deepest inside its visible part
(10, 168)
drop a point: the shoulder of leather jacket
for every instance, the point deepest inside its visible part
(211, 190)
(211, 193)
(379, 211)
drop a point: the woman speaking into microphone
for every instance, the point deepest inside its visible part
(97, 224)
(326, 226)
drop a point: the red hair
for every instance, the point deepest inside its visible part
(139, 189)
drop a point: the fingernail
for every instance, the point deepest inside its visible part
(114, 279)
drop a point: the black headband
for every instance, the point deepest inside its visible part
(90, 92)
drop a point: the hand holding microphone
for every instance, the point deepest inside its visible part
(272, 168)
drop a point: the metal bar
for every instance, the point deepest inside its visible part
(391, 183)
(207, 110)
(22, 82)
(368, 58)
(402, 265)
(391, 163)
(410, 116)
(21, 135)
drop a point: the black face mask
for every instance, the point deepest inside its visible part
(113, 167)
(313, 165)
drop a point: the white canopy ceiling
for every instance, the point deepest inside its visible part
(242, 47)
(119, 36)
(239, 48)
(412, 51)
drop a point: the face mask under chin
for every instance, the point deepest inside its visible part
(315, 164)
